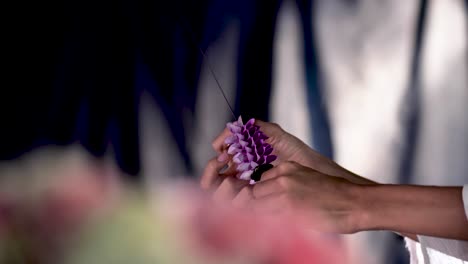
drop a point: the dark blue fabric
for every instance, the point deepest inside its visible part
(255, 55)
(411, 108)
(78, 68)
(319, 120)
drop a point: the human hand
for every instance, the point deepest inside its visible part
(324, 202)
(327, 203)
(286, 147)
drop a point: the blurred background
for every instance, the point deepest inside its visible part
(380, 86)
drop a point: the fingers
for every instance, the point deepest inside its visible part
(277, 179)
(218, 144)
(271, 173)
(230, 170)
(265, 188)
(211, 172)
(229, 189)
(244, 197)
(274, 203)
(287, 167)
(269, 129)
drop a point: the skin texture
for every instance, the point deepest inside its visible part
(425, 210)
(330, 198)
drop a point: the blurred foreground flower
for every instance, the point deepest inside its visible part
(45, 197)
(74, 217)
(180, 225)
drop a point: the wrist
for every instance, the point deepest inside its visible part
(421, 210)
(362, 214)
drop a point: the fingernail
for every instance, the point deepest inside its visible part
(223, 157)
(223, 169)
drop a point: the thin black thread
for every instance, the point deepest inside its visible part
(205, 58)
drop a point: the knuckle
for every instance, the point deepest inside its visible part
(286, 167)
(284, 182)
(275, 126)
(245, 191)
(283, 168)
(293, 164)
(208, 174)
(213, 145)
(204, 182)
(293, 167)
(204, 185)
(216, 145)
(212, 165)
(229, 182)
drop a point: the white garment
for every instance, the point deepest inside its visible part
(432, 250)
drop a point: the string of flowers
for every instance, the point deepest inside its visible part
(249, 149)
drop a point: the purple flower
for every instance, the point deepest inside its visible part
(248, 147)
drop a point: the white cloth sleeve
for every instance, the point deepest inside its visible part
(465, 199)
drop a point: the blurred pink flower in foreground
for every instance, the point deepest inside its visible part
(222, 232)
(74, 218)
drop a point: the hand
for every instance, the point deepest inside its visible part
(219, 177)
(286, 147)
(327, 203)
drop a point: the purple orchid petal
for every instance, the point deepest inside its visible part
(256, 157)
(243, 166)
(250, 123)
(261, 150)
(270, 159)
(231, 139)
(248, 146)
(233, 128)
(246, 175)
(251, 142)
(261, 160)
(239, 121)
(243, 143)
(252, 131)
(253, 165)
(259, 142)
(261, 135)
(268, 150)
(238, 158)
(234, 148)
